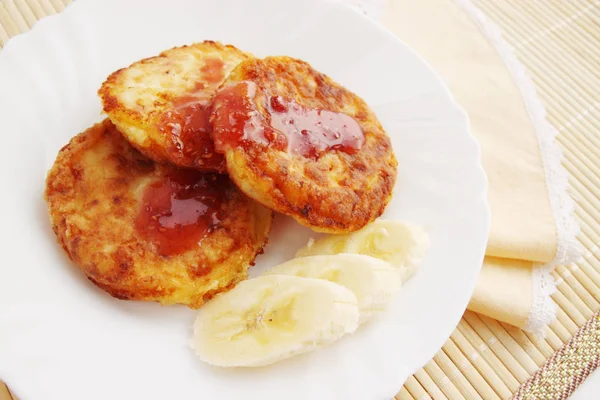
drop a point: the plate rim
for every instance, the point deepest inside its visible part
(49, 22)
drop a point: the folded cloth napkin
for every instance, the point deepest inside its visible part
(532, 227)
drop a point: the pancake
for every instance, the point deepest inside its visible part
(146, 231)
(160, 103)
(303, 145)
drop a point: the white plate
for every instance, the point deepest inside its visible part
(62, 338)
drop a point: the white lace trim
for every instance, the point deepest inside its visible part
(568, 250)
(543, 309)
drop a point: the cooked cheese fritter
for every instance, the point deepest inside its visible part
(303, 145)
(160, 103)
(146, 231)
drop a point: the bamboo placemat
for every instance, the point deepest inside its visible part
(558, 42)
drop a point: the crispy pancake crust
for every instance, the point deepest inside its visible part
(94, 193)
(336, 191)
(159, 102)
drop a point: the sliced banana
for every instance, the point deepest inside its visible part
(402, 244)
(372, 280)
(269, 318)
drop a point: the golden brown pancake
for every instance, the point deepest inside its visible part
(160, 103)
(146, 231)
(303, 145)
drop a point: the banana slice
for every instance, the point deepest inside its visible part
(372, 280)
(269, 318)
(402, 244)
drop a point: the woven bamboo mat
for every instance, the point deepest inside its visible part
(558, 42)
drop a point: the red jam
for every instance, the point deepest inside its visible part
(179, 210)
(292, 127)
(213, 70)
(187, 125)
(188, 129)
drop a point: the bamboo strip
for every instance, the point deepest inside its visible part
(468, 371)
(4, 36)
(595, 13)
(592, 255)
(415, 389)
(524, 352)
(557, 328)
(585, 120)
(36, 8)
(455, 376)
(403, 395)
(585, 265)
(489, 356)
(585, 8)
(486, 372)
(575, 63)
(577, 37)
(512, 361)
(23, 11)
(584, 199)
(550, 82)
(582, 142)
(592, 247)
(588, 230)
(569, 166)
(430, 386)
(573, 298)
(553, 19)
(578, 167)
(586, 239)
(577, 289)
(572, 152)
(558, 107)
(575, 68)
(579, 126)
(443, 382)
(591, 231)
(587, 283)
(563, 317)
(527, 341)
(583, 124)
(583, 35)
(551, 46)
(58, 5)
(587, 268)
(567, 85)
(16, 15)
(27, 12)
(6, 20)
(46, 6)
(553, 340)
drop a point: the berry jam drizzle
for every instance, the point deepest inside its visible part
(292, 127)
(180, 209)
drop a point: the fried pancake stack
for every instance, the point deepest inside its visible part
(171, 198)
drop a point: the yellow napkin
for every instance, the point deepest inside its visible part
(532, 229)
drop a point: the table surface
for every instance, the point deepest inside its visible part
(558, 43)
